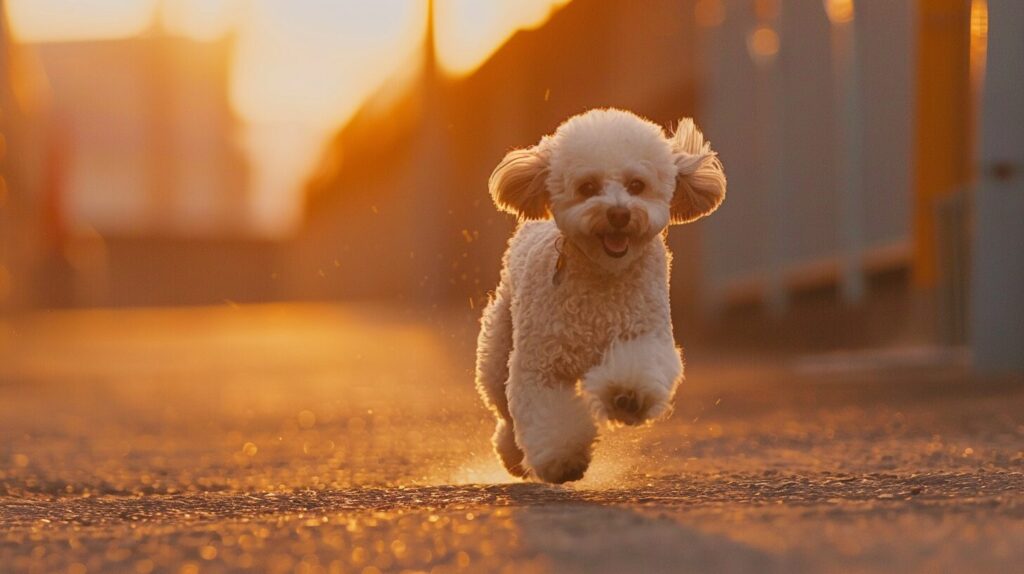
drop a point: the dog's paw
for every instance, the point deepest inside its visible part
(562, 470)
(630, 406)
(635, 380)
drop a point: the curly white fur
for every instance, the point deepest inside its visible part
(580, 325)
(650, 364)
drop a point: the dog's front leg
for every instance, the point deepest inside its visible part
(553, 426)
(635, 380)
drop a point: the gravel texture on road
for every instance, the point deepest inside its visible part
(292, 438)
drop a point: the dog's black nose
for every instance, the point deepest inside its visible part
(618, 217)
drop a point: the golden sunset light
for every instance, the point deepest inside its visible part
(294, 62)
(70, 20)
(511, 286)
(298, 62)
(201, 20)
(468, 31)
(300, 69)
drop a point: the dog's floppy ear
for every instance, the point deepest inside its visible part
(700, 180)
(519, 184)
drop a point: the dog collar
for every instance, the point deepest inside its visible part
(559, 274)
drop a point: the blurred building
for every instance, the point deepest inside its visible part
(148, 184)
(846, 131)
(401, 209)
(403, 191)
(26, 209)
(149, 135)
(812, 110)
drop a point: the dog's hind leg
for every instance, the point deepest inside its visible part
(494, 345)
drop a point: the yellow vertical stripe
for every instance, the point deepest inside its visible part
(943, 122)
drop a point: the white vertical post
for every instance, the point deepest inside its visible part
(764, 44)
(849, 154)
(710, 15)
(997, 300)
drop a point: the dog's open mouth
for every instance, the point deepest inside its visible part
(615, 244)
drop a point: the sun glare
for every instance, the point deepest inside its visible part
(67, 20)
(839, 11)
(979, 39)
(200, 20)
(314, 62)
(300, 69)
(469, 31)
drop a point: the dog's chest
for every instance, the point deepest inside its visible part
(577, 324)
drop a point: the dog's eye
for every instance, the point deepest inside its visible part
(587, 189)
(636, 186)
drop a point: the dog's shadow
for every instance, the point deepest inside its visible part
(587, 530)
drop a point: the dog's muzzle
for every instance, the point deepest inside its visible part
(616, 241)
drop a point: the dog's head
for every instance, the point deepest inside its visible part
(612, 181)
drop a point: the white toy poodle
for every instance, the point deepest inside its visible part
(580, 326)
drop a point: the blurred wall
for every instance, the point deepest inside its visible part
(29, 234)
(401, 207)
(141, 185)
(819, 122)
(777, 123)
(814, 119)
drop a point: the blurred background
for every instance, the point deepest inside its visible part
(223, 152)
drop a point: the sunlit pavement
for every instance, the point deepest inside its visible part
(316, 438)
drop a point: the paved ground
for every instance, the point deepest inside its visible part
(313, 439)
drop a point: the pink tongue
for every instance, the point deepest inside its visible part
(616, 243)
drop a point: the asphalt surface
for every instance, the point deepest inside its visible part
(336, 439)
